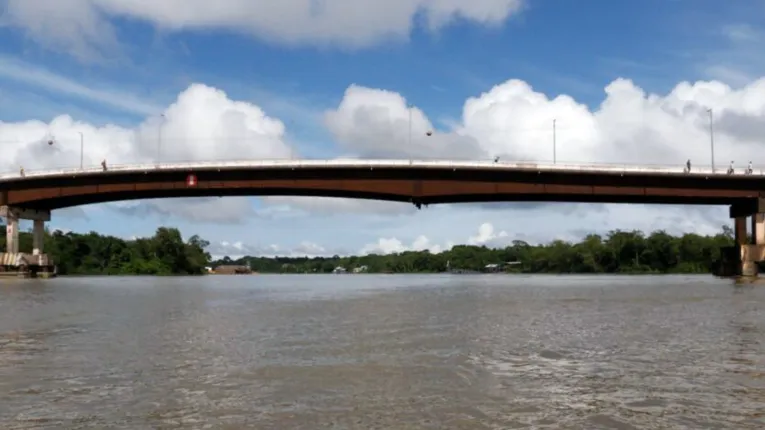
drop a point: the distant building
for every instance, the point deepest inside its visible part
(360, 269)
(232, 270)
(340, 269)
(500, 267)
(492, 268)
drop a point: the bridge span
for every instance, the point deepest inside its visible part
(34, 194)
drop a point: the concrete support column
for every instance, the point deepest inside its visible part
(740, 230)
(12, 234)
(13, 215)
(38, 235)
(758, 229)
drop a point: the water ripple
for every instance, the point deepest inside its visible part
(307, 352)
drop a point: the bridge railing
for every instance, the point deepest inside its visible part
(354, 162)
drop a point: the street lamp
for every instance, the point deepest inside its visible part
(555, 145)
(159, 138)
(82, 146)
(712, 136)
(409, 108)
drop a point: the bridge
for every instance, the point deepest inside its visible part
(34, 194)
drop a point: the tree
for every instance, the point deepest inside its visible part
(618, 252)
(166, 253)
(93, 254)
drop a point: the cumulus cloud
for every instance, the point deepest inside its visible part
(511, 120)
(393, 245)
(486, 236)
(515, 122)
(83, 27)
(239, 249)
(380, 124)
(202, 124)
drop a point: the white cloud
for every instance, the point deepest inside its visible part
(487, 237)
(376, 124)
(514, 121)
(394, 246)
(239, 249)
(82, 27)
(511, 120)
(202, 124)
(74, 26)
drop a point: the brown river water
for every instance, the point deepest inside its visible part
(382, 352)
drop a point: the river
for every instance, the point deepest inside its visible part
(387, 351)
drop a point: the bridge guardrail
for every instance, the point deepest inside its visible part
(350, 162)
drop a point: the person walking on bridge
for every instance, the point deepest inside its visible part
(730, 168)
(749, 168)
(688, 166)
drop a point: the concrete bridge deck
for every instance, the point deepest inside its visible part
(33, 194)
(416, 181)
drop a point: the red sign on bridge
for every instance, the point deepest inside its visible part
(191, 180)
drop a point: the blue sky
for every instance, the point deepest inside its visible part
(611, 72)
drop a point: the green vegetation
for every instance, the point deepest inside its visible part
(93, 254)
(617, 252)
(166, 253)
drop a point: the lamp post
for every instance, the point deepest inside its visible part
(712, 136)
(555, 145)
(409, 108)
(82, 147)
(159, 138)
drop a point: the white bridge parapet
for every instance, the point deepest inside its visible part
(360, 163)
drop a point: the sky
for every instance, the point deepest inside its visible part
(626, 82)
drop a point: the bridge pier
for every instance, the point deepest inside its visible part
(16, 263)
(743, 259)
(12, 232)
(758, 228)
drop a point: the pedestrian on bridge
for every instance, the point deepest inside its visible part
(730, 168)
(688, 166)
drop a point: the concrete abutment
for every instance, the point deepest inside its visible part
(15, 263)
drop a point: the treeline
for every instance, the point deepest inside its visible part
(616, 252)
(165, 253)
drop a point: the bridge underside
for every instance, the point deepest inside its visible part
(34, 197)
(416, 191)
